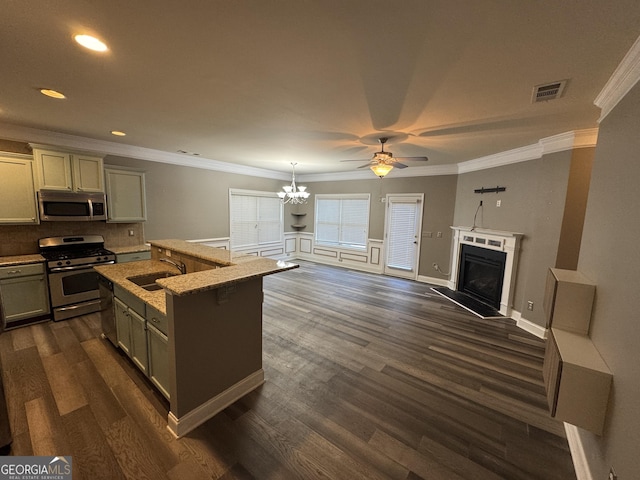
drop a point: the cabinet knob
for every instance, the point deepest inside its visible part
(155, 320)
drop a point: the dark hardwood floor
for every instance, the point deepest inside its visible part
(367, 377)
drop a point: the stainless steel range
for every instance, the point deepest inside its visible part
(73, 283)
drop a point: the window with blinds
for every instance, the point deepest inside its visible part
(342, 220)
(255, 218)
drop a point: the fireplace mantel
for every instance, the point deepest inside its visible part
(508, 242)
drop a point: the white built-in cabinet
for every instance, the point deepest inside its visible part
(131, 327)
(577, 379)
(142, 334)
(23, 292)
(18, 203)
(125, 195)
(68, 171)
(158, 347)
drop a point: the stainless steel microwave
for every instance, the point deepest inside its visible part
(71, 207)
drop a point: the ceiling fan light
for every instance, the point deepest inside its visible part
(381, 169)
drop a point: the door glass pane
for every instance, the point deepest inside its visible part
(402, 229)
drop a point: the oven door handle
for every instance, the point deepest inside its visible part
(79, 267)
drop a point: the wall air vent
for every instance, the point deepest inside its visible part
(548, 91)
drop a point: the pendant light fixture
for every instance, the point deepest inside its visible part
(293, 194)
(381, 169)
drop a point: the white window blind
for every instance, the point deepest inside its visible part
(255, 218)
(342, 220)
(402, 249)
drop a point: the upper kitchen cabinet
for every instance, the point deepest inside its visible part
(18, 204)
(77, 172)
(125, 196)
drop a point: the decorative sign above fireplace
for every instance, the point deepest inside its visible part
(483, 265)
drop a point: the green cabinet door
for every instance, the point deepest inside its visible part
(158, 359)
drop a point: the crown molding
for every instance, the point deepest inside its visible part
(623, 79)
(102, 147)
(556, 143)
(569, 140)
(517, 155)
(366, 174)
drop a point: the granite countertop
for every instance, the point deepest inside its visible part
(21, 259)
(119, 272)
(239, 268)
(130, 249)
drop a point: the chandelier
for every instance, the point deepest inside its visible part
(291, 193)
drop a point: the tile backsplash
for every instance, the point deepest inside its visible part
(23, 239)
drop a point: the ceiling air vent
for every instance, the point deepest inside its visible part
(548, 91)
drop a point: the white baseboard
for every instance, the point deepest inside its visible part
(442, 282)
(196, 417)
(580, 463)
(528, 326)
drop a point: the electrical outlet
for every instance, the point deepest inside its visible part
(530, 305)
(439, 235)
(498, 203)
(612, 474)
(131, 233)
(435, 266)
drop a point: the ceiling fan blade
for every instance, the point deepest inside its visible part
(356, 160)
(366, 165)
(412, 159)
(399, 165)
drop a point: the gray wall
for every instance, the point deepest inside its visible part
(189, 203)
(439, 201)
(533, 204)
(610, 256)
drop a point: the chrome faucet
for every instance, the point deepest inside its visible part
(179, 265)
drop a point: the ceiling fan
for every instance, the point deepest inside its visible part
(383, 162)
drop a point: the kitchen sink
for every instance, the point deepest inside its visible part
(148, 281)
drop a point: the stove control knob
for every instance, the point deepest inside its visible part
(98, 259)
(68, 262)
(59, 263)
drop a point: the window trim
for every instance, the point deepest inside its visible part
(343, 196)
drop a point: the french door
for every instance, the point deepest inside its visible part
(403, 223)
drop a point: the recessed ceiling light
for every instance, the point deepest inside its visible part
(92, 43)
(51, 93)
(118, 133)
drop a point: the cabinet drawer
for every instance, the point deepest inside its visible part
(21, 270)
(130, 300)
(157, 319)
(133, 257)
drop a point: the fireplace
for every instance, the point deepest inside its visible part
(484, 264)
(481, 274)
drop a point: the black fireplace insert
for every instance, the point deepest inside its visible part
(481, 274)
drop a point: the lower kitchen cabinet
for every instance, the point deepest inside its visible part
(132, 338)
(139, 353)
(123, 326)
(23, 293)
(158, 344)
(144, 340)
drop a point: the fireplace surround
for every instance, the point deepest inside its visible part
(485, 253)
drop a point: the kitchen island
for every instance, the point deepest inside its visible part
(214, 322)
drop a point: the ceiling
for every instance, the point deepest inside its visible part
(264, 83)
